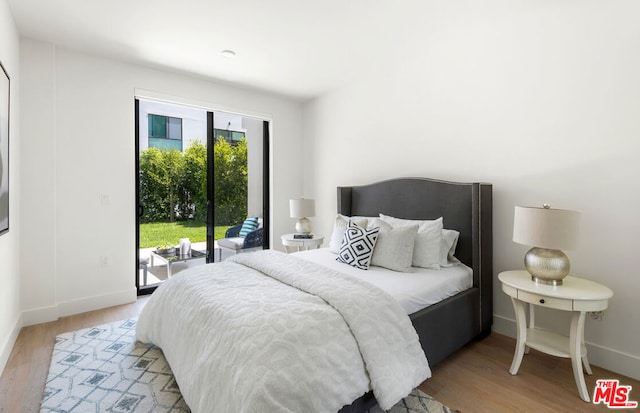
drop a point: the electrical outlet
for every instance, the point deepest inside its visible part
(104, 261)
(104, 199)
(597, 315)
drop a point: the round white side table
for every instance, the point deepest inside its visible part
(298, 244)
(577, 295)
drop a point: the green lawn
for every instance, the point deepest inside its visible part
(157, 233)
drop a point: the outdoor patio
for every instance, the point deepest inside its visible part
(157, 273)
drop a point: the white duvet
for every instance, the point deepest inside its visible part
(269, 332)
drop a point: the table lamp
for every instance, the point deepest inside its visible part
(301, 209)
(548, 231)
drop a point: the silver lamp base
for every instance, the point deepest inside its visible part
(303, 226)
(547, 266)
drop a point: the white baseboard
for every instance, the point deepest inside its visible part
(39, 315)
(604, 357)
(614, 360)
(96, 302)
(7, 345)
(505, 326)
(47, 314)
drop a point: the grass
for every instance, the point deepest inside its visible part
(158, 233)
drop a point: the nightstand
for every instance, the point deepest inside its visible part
(577, 295)
(293, 244)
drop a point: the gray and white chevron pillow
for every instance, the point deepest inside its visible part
(357, 246)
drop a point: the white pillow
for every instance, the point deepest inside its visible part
(394, 248)
(448, 248)
(339, 227)
(357, 246)
(426, 252)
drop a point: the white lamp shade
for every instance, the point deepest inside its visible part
(555, 229)
(302, 208)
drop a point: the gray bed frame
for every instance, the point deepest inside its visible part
(444, 327)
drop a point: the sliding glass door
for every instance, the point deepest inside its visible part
(198, 174)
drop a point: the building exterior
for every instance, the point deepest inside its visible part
(168, 126)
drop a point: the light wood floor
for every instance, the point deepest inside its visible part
(22, 381)
(475, 379)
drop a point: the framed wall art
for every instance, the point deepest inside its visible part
(4, 150)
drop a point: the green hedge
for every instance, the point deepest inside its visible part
(173, 184)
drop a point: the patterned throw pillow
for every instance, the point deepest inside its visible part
(357, 246)
(340, 226)
(249, 224)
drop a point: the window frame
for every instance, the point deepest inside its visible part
(167, 127)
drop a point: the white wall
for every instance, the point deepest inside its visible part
(541, 99)
(80, 201)
(10, 318)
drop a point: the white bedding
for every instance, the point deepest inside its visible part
(297, 340)
(414, 291)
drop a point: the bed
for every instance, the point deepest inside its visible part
(217, 361)
(466, 208)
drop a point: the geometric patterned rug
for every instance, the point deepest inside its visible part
(104, 369)
(417, 402)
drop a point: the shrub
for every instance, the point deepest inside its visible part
(173, 184)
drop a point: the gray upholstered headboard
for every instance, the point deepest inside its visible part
(465, 207)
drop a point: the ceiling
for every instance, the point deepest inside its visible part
(296, 48)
